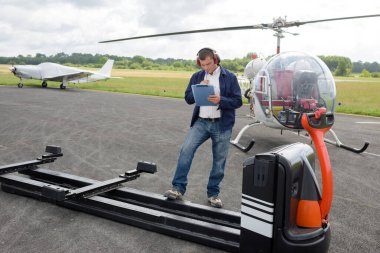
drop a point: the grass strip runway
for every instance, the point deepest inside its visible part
(355, 95)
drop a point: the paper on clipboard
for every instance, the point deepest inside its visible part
(201, 93)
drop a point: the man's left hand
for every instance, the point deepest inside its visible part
(214, 99)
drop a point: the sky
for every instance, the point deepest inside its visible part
(50, 27)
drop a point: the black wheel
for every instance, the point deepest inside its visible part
(44, 84)
(62, 87)
(246, 94)
(20, 85)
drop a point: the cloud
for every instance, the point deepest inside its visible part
(49, 27)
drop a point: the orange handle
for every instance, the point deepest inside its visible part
(317, 135)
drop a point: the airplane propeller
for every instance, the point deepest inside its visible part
(277, 25)
(13, 69)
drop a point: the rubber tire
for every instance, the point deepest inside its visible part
(62, 87)
(20, 85)
(44, 84)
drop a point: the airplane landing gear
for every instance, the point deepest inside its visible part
(44, 84)
(62, 86)
(20, 85)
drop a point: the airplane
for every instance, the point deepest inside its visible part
(285, 87)
(48, 71)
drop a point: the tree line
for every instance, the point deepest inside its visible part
(338, 65)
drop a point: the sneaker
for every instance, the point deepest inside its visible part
(215, 201)
(173, 194)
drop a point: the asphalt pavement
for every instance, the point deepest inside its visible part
(103, 134)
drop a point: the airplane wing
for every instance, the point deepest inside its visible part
(103, 73)
(55, 72)
(68, 77)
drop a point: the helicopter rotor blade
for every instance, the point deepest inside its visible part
(233, 28)
(276, 26)
(298, 23)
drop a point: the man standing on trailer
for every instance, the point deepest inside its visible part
(213, 122)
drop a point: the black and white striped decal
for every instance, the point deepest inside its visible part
(257, 215)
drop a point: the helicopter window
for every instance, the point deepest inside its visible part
(261, 85)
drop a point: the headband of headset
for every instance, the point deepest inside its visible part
(214, 54)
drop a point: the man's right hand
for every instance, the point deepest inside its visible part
(205, 82)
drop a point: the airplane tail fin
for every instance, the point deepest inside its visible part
(103, 73)
(106, 69)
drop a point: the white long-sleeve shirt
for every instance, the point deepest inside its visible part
(211, 111)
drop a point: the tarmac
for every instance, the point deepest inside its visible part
(103, 134)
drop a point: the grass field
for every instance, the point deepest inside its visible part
(359, 97)
(354, 95)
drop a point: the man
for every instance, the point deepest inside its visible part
(213, 122)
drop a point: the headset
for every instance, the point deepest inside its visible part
(214, 54)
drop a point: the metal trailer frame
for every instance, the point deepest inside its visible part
(217, 228)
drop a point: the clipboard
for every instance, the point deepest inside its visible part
(201, 93)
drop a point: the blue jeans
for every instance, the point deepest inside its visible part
(201, 131)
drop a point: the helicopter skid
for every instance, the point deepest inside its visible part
(236, 143)
(241, 147)
(335, 142)
(339, 144)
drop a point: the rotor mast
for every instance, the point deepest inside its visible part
(277, 25)
(279, 36)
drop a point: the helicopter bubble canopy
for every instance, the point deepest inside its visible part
(292, 83)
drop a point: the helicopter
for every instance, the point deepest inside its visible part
(285, 87)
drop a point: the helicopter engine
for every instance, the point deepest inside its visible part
(290, 84)
(254, 66)
(250, 71)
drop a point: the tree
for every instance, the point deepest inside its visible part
(342, 69)
(138, 59)
(365, 73)
(339, 65)
(38, 55)
(357, 67)
(146, 64)
(374, 67)
(135, 66)
(177, 64)
(103, 60)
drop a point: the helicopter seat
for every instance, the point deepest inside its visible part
(306, 92)
(305, 84)
(308, 104)
(283, 79)
(281, 91)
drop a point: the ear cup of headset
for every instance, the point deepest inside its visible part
(198, 61)
(216, 57)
